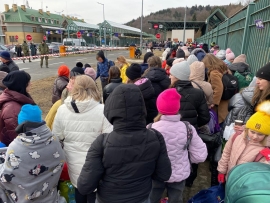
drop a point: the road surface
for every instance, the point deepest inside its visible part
(38, 73)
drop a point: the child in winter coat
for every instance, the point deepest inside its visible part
(175, 132)
(247, 146)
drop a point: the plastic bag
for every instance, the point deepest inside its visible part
(228, 131)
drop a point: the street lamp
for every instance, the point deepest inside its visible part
(59, 13)
(141, 28)
(103, 21)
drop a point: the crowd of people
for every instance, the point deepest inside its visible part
(136, 135)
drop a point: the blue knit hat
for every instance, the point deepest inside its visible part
(5, 55)
(31, 113)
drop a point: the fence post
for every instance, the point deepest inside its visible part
(246, 34)
(217, 34)
(227, 32)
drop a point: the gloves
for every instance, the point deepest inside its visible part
(266, 153)
(221, 178)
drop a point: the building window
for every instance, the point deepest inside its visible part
(33, 18)
(52, 21)
(34, 29)
(46, 20)
(39, 20)
(4, 28)
(2, 18)
(12, 39)
(57, 22)
(41, 30)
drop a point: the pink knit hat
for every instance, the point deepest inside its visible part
(229, 54)
(168, 102)
(90, 72)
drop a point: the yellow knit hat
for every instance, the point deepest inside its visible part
(260, 121)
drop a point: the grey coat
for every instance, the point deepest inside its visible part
(32, 166)
(237, 102)
(12, 65)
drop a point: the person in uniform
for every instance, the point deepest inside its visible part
(25, 49)
(43, 50)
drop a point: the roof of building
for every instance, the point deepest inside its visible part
(83, 25)
(125, 27)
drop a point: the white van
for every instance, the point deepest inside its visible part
(75, 44)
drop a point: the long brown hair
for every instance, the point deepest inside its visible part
(114, 73)
(260, 95)
(158, 117)
(213, 63)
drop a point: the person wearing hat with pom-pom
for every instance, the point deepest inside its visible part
(245, 147)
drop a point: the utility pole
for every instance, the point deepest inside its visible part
(184, 35)
(104, 26)
(141, 40)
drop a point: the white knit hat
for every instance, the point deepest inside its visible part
(180, 70)
(191, 59)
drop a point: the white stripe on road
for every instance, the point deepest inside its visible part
(24, 68)
(111, 54)
(56, 63)
(82, 59)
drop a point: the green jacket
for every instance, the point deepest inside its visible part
(43, 49)
(25, 49)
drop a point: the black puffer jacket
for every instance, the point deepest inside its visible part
(122, 164)
(160, 82)
(108, 89)
(193, 106)
(148, 93)
(59, 85)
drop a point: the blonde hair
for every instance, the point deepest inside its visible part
(213, 63)
(84, 88)
(122, 60)
(158, 117)
(263, 142)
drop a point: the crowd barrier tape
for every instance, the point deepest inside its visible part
(72, 52)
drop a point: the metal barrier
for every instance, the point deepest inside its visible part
(243, 36)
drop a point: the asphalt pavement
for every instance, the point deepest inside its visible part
(38, 73)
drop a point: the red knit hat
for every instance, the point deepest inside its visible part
(63, 70)
(168, 102)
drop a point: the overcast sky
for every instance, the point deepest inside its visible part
(120, 11)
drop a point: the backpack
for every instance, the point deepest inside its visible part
(248, 183)
(230, 86)
(244, 79)
(215, 194)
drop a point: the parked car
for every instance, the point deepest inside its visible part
(53, 48)
(11, 52)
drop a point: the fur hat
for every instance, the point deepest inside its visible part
(221, 55)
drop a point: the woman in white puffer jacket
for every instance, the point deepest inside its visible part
(78, 122)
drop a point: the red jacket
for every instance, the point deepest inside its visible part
(10, 105)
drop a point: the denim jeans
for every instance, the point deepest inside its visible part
(174, 190)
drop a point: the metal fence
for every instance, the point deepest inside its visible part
(241, 34)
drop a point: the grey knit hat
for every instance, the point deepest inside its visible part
(221, 55)
(191, 59)
(180, 70)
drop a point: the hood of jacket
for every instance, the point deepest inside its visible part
(197, 50)
(116, 80)
(9, 95)
(197, 71)
(240, 67)
(146, 88)
(125, 108)
(156, 74)
(83, 106)
(247, 94)
(183, 84)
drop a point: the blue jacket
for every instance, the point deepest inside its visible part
(144, 66)
(103, 68)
